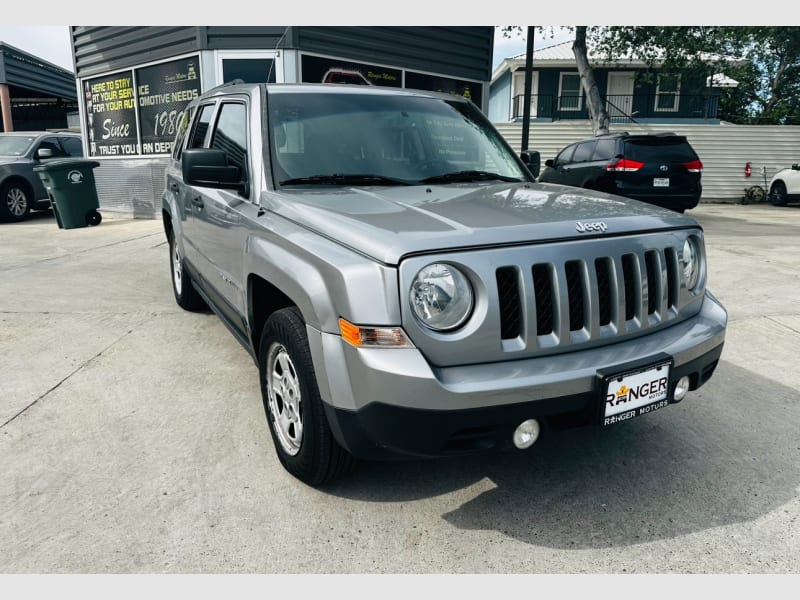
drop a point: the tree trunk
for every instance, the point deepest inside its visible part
(594, 103)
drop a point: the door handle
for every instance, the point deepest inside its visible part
(198, 201)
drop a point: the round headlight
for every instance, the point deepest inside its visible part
(691, 263)
(441, 297)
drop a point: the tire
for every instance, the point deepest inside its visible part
(185, 294)
(303, 440)
(15, 202)
(778, 194)
(93, 218)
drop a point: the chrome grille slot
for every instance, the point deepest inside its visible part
(602, 267)
(575, 292)
(632, 285)
(543, 289)
(510, 305)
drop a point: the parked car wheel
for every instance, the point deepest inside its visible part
(303, 440)
(185, 294)
(15, 204)
(778, 194)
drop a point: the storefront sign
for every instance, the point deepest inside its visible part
(468, 89)
(329, 70)
(111, 115)
(162, 92)
(136, 113)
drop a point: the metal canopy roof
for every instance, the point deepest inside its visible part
(33, 76)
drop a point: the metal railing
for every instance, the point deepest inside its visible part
(621, 108)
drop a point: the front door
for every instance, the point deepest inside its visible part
(619, 98)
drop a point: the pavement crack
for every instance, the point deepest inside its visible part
(784, 325)
(60, 383)
(84, 251)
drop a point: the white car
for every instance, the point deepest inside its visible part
(785, 186)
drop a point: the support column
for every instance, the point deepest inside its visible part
(5, 105)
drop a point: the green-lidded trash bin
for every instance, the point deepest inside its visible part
(73, 194)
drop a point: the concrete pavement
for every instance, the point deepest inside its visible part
(133, 439)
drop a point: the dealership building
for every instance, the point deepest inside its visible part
(135, 82)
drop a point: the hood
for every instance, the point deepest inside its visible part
(388, 223)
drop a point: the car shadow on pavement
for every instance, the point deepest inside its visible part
(729, 453)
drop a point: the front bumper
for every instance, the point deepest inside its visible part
(382, 402)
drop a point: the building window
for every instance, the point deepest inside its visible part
(570, 92)
(668, 91)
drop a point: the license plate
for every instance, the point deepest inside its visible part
(661, 182)
(635, 393)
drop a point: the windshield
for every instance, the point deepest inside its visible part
(366, 139)
(15, 145)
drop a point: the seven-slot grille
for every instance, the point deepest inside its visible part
(582, 299)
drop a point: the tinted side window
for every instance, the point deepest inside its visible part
(72, 146)
(230, 135)
(604, 149)
(183, 127)
(201, 126)
(566, 155)
(583, 152)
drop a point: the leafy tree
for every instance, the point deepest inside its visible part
(764, 60)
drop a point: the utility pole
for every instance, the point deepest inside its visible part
(526, 111)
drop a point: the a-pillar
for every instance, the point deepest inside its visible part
(5, 105)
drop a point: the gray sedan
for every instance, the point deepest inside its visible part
(21, 190)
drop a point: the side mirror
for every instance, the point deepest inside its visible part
(550, 163)
(796, 167)
(532, 160)
(208, 167)
(45, 153)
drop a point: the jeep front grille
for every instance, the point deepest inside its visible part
(609, 295)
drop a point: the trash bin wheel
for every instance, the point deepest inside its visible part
(93, 217)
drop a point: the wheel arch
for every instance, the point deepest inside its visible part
(22, 182)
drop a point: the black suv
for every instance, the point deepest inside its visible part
(21, 190)
(662, 169)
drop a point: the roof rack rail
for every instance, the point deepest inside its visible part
(227, 84)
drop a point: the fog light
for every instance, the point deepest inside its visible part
(680, 389)
(526, 434)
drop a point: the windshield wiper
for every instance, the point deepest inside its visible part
(345, 179)
(458, 176)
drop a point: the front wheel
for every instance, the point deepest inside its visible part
(300, 431)
(15, 202)
(778, 194)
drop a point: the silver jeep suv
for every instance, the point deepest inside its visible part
(406, 288)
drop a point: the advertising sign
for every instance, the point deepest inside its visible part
(111, 115)
(136, 113)
(329, 70)
(469, 89)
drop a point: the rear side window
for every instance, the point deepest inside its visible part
(583, 152)
(183, 127)
(605, 149)
(201, 126)
(660, 149)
